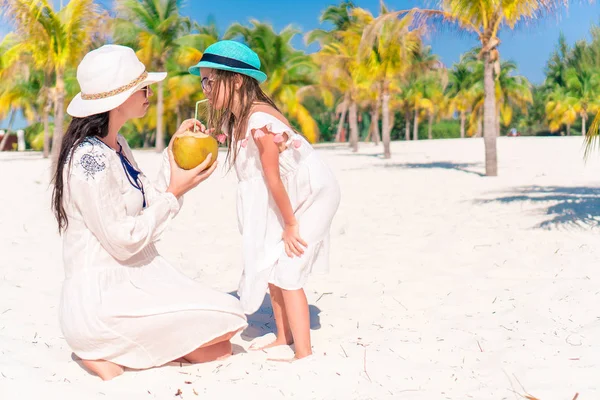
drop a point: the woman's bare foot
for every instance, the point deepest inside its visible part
(106, 370)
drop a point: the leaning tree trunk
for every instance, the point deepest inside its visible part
(385, 124)
(46, 120)
(463, 117)
(338, 135)
(489, 117)
(430, 127)
(416, 126)
(352, 117)
(160, 110)
(146, 140)
(59, 117)
(179, 116)
(7, 134)
(407, 124)
(375, 122)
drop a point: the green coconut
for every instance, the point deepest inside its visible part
(190, 149)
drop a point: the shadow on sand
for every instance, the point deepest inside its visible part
(469, 168)
(262, 322)
(573, 207)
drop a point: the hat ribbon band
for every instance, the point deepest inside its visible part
(229, 62)
(114, 92)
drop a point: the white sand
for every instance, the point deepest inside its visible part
(443, 283)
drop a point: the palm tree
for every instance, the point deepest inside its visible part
(512, 91)
(156, 29)
(20, 94)
(434, 102)
(560, 109)
(291, 72)
(395, 44)
(339, 16)
(584, 87)
(556, 67)
(54, 41)
(460, 91)
(343, 20)
(421, 74)
(338, 75)
(485, 19)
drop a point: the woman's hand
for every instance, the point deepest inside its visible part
(187, 125)
(292, 240)
(182, 181)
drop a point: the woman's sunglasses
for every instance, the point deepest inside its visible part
(146, 90)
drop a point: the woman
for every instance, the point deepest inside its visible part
(122, 304)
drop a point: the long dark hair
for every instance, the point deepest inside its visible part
(224, 120)
(79, 129)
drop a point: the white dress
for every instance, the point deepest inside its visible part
(121, 301)
(314, 194)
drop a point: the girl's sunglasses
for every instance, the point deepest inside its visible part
(206, 84)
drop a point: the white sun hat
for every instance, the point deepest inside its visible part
(107, 77)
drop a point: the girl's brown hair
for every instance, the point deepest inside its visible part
(250, 94)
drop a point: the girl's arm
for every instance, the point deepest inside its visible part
(269, 158)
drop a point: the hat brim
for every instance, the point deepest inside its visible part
(258, 75)
(81, 108)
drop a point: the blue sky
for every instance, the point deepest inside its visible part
(529, 46)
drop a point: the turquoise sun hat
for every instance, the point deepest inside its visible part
(232, 56)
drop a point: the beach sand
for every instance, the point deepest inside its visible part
(444, 284)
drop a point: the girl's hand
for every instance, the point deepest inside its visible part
(292, 241)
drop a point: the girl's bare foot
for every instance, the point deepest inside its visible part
(289, 360)
(266, 342)
(106, 370)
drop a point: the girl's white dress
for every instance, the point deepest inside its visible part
(121, 301)
(314, 194)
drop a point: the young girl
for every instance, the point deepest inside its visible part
(287, 196)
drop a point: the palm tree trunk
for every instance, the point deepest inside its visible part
(489, 118)
(583, 120)
(179, 116)
(407, 124)
(375, 122)
(385, 123)
(338, 135)
(416, 126)
(46, 120)
(160, 109)
(59, 117)
(430, 127)
(353, 126)
(463, 117)
(568, 129)
(7, 134)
